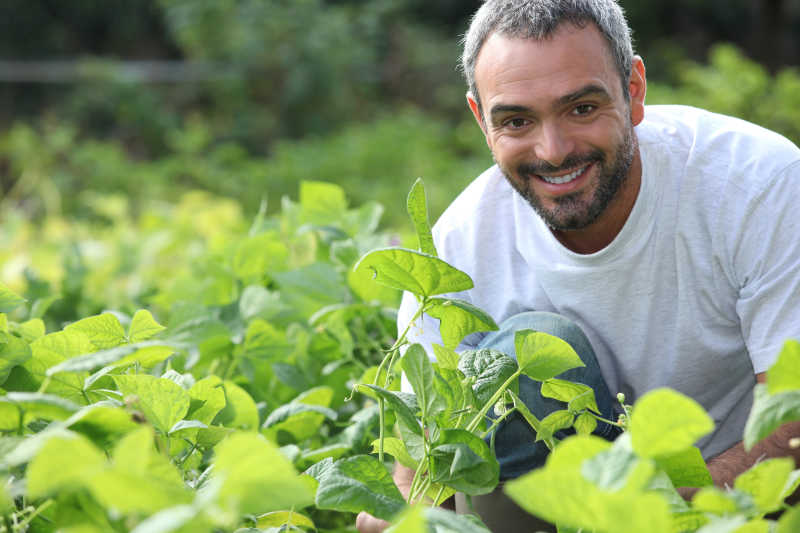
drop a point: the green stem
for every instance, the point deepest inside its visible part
(607, 421)
(438, 496)
(36, 513)
(497, 422)
(493, 400)
(44, 385)
(381, 408)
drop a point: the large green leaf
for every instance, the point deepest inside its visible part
(148, 353)
(568, 391)
(789, 521)
(765, 482)
(489, 368)
(163, 402)
(419, 371)
(444, 521)
(559, 493)
(542, 356)
(256, 477)
(417, 207)
(359, 483)
(416, 272)
(464, 462)
(769, 412)
(457, 319)
(686, 468)
(784, 375)
(665, 422)
(103, 331)
(63, 463)
(207, 398)
(38, 405)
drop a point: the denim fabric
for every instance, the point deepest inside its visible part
(515, 444)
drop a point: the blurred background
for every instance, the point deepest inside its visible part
(112, 111)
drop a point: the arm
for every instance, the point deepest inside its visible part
(726, 466)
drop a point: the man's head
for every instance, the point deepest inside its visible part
(538, 20)
(548, 90)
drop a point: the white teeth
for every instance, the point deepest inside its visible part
(565, 178)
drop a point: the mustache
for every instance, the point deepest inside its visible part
(569, 162)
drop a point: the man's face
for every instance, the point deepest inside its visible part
(559, 125)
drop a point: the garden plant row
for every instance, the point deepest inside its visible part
(249, 381)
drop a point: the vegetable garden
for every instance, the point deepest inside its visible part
(199, 372)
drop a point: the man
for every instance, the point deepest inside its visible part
(664, 234)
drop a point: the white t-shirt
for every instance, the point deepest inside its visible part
(699, 290)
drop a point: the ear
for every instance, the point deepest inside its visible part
(637, 88)
(472, 102)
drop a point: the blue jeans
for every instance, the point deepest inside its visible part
(515, 444)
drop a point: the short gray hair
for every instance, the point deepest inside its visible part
(538, 19)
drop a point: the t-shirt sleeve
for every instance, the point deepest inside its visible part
(766, 266)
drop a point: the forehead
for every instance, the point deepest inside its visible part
(538, 70)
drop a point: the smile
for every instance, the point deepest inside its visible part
(566, 178)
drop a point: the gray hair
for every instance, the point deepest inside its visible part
(538, 19)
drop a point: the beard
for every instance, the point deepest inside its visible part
(572, 211)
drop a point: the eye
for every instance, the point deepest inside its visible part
(516, 123)
(583, 109)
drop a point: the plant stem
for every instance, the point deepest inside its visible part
(381, 408)
(493, 400)
(36, 513)
(497, 422)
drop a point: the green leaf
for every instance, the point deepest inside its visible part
(162, 401)
(322, 203)
(465, 462)
(240, 410)
(686, 468)
(618, 468)
(419, 371)
(143, 326)
(769, 411)
(207, 399)
(555, 421)
(713, 500)
(256, 478)
(395, 447)
(542, 356)
(13, 352)
(284, 518)
(147, 352)
(559, 493)
(30, 330)
(666, 422)
(418, 273)
(584, 424)
(784, 375)
(405, 415)
(9, 300)
(63, 464)
(789, 521)
(300, 420)
(38, 405)
(417, 207)
(258, 256)
(103, 331)
(457, 319)
(412, 520)
(359, 483)
(765, 482)
(445, 358)
(489, 368)
(567, 391)
(181, 518)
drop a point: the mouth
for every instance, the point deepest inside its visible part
(565, 178)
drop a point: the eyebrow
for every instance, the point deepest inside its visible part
(587, 90)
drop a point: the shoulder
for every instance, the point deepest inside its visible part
(743, 153)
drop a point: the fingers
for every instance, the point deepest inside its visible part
(366, 523)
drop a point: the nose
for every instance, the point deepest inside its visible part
(553, 143)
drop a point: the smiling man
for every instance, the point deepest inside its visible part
(659, 241)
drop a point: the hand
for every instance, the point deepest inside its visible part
(366, 523)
